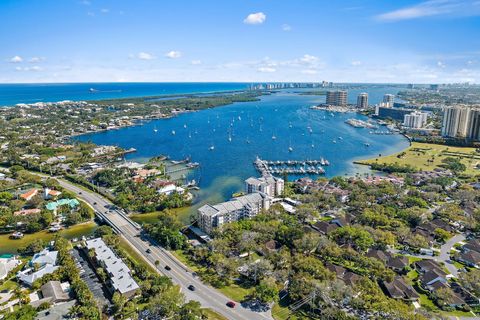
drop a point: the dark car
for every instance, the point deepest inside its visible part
(149, 251)
(191, 287)
(80, 192)
(95, 203)
(168, 268)
(231, 304)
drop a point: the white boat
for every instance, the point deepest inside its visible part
(155, 130)
(185, 126)
(334, 141)
(173, 132)
(366, 144)
(290, 149)
(212, 147)
(274, 137)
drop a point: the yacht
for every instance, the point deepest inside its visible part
(173, 132)
(185, 126)
(274, 137)
(212, 147)
(366, 144)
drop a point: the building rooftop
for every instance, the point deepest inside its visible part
(120, 276)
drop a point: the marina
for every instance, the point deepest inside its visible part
(296, 167)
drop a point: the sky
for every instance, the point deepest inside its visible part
(401, 41)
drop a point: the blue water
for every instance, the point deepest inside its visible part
(11, 94)
(223, 170)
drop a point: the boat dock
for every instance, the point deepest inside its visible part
(298, 167)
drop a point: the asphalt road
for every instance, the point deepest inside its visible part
(179, 273)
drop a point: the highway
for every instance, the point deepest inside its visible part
(179, 273)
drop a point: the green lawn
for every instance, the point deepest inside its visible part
(412, 260)
(282, 313)
(236, 292)
(212, 315)
(418, 154)
(8, 285)
(412, 275)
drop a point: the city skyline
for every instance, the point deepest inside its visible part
(142, 41)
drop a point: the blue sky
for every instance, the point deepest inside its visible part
(433, 41)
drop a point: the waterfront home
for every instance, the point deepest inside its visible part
(119, 277)
(8, 262)
(170, 189)
(71, 203)
(27, 196)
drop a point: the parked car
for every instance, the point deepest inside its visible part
(231, 304)
(149, 251)
(191, 287)
(168, 268)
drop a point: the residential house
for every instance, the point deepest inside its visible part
(324, 227)
(470, 258)
(396, 263)
(52, 292)
(50, 193)
(8, 262)
(27, 196)
(399, 289)
(42, 263)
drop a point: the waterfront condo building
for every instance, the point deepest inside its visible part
(388, 100)
(415, 120)
(244, 207)
(362, 100)
(270, 185)
(461, 122)
(337, 98)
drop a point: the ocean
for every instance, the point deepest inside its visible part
(11, 94)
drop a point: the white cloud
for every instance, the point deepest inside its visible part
(196, 62)
(34, 68)
(36, 59)
(431, 8)
(440, 64)
(266, 69)
(16, 59)
(173, 54)
(105, 10)
(309, 71)
(356, 63)
(145, 56)
(91, 14)
(307, 58)
(85, 2)
(286, 27)
(255, 18)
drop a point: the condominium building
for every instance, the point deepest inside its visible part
(119, 277)
(244, 207)
(362, 100)
(270, 185)
(415, 120)
(388, 100)
(461, 122)
(474, 125)
(337, 98)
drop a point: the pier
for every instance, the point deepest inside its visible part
(297, 167)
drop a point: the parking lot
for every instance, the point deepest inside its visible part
(87, 274)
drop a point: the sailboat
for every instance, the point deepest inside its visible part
(312, 145)
(155, 129)
(229, 136)
(274, 137)
(190, 135)
(290, 148)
